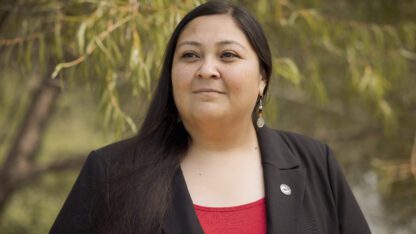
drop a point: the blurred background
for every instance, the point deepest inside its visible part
(77, 75)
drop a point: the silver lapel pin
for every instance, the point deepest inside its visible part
(285, 189)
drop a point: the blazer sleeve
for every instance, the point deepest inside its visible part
(85, 205)
(350, 217)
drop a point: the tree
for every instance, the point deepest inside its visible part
(60, 42)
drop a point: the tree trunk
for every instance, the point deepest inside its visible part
(20, 159)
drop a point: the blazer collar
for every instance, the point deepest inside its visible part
(274, 150)
(281, 170)
(282, 173)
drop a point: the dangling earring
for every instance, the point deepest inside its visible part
(260, 120)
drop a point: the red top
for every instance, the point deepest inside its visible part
(248, 218)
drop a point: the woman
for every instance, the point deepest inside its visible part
(202, 161)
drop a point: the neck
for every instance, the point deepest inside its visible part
(218, 138)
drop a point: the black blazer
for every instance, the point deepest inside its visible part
(320, 200)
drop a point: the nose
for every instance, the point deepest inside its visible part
(208, 69)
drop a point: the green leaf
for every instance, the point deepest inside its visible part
(286, 68)
(81, 37)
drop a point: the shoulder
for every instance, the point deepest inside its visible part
(110, 153)
(313, 156)
(97, 164)
(289, 149)
(327, 189)
(299, 145)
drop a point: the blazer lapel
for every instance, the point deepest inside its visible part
(284, 183)
(181, 217)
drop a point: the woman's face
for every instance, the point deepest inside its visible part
(215, 72)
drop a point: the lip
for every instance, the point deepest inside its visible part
(208, 90)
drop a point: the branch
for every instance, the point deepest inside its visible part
(34, 172)
(68, 163)
(101, 37)
(18, 40)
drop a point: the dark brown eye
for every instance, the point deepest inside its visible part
(228, 55)
(189, 55)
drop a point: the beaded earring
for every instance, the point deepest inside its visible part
(260, 120)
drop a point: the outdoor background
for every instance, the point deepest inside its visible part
(77, 75)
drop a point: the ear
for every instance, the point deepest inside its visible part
(262, 86)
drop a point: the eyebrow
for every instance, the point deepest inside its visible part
(222, 43)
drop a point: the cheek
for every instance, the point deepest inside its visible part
(178, 79)
(181, 84)
(181, 73)
(244, 82)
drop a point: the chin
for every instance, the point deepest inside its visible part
(208, 116)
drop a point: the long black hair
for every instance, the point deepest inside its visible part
(141, 184)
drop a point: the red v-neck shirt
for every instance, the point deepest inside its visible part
(248, 218)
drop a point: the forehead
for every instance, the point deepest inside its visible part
(213, 28)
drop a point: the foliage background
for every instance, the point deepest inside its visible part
(76, 75)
